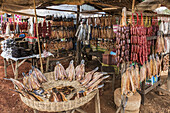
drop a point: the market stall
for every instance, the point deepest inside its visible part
(134, 43)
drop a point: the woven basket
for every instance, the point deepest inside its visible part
(58, 106)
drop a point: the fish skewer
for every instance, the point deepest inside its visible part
(17, 84)
(71, 71)
(80, 70)
(96, 76)
(98, 82)
(39, 75)
(59, 72)
(88, 76)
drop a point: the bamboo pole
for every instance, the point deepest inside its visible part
(38, 37)
(78, 47)
(133, 5)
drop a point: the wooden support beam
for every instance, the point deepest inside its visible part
(129, 13)
(59, 10)
(38, 37)
(17, 6)
(19, 13)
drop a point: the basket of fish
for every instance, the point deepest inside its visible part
(61, 90)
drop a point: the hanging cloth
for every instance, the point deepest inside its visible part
(8, 29)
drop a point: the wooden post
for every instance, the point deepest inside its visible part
(5, 67)
(168, 80)
(133, 5)
(78, 47)
(38, 37)
(97, 103)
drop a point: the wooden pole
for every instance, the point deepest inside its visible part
(133, 5)
(38, 37)
(78, 47)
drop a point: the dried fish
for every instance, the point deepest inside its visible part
(39, 75)
(96, 76)
(98, 82)
(71, 71)
(88, 76)
(17, 84)
(59, 72)
(80, 70)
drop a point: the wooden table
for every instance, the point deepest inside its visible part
(20, 61)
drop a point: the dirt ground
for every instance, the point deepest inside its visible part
(10, 102)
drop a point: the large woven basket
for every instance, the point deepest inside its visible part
(58, 106)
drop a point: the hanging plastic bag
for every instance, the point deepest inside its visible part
(132, 79)
(148, 69)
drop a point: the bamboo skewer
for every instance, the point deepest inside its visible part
(38, 37)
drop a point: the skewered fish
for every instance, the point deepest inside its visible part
(98, 82)
(96, 76)
(34, 82)
(25, 80)
(59, 72)
(125, 82)
(88, 76)
(39, 75)
(91, 90)
(70, 71)
(17, 84)
(132, 79)
(80, 70)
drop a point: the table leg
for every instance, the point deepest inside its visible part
(16, 70)
(143, 92)
(5, 67)
(97, 102)
(47, 64)
(113, 82)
